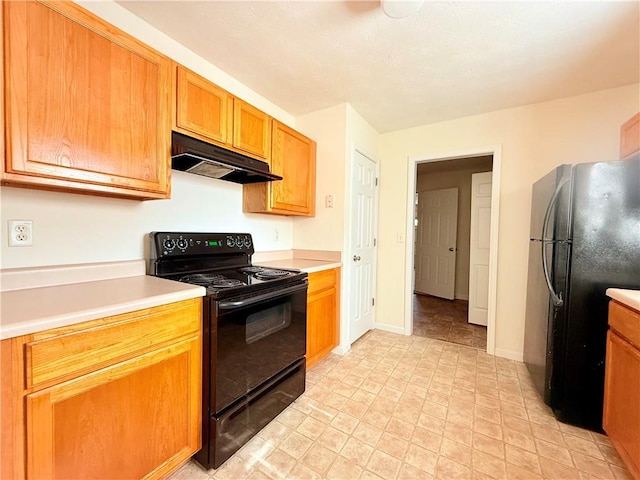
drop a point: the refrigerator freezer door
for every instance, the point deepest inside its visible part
(605, 253)
(548, 261)
(542, 193)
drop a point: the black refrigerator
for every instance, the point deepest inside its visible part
(585, 238)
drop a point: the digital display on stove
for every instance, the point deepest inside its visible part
(214, 243)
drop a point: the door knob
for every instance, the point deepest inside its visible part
(356, 258)
(451, 249)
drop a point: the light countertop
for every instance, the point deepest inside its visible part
(41, 307)
(631, 298)
(302, 264)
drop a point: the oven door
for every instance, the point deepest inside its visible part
(255, 337)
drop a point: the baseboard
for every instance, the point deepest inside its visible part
(340, 350)
(510, 354)
(462, 297)
(389, 328)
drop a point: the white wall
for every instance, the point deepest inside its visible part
(534, 139)
(360, 134)
(338, 130)
(72, 228)
(328, 128)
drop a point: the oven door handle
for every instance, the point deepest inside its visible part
(232, 304)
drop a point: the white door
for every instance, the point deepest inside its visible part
(435, 250)
(479, 249)
(362, 258)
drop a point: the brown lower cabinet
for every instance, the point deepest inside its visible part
(323, 307)
(118, 397)
(622, 385)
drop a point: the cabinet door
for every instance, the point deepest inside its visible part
(202, 107)
(139, 418)
(293, 157)
(251, 130)
(622, 400)
(87, 106)
(321, 324)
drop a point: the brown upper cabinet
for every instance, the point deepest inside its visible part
(202, 108)
(293, 157)
(86, 105)
(251, 129)
(210, 113)
(630, 137)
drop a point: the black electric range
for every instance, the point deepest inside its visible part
(254, 334)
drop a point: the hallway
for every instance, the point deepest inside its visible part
(446, 320)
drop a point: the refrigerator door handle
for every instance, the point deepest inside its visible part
(555, 297)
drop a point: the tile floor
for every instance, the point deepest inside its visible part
(398, 407)
(446, 320)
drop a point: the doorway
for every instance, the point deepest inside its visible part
(452, 315)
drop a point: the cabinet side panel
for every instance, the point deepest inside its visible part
(12, 436)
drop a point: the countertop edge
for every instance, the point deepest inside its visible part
(55, 275)
(320, 268)
(304, 265)
(183, 292)
(630, 298)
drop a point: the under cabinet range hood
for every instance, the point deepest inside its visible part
(195, 156)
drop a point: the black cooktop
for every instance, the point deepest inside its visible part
(220, 262)
(238, 280)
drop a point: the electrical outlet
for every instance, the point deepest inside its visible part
(20, 233)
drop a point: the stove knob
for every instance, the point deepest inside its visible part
(168, 244)
(239, 242)
(182, 244)
(231, 242)
(247, 241)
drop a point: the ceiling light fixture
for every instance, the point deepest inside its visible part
(400, 8)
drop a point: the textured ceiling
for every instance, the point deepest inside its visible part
(450, 60)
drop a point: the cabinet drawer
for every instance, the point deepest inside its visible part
(123, 336)
(322, 280)
(625, 322)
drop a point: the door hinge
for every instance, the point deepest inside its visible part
(376, 181)
(373, 301)
(374, 242)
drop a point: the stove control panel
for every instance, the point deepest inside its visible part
(180, 244)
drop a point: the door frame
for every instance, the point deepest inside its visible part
(347, 269)
(413, 161)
